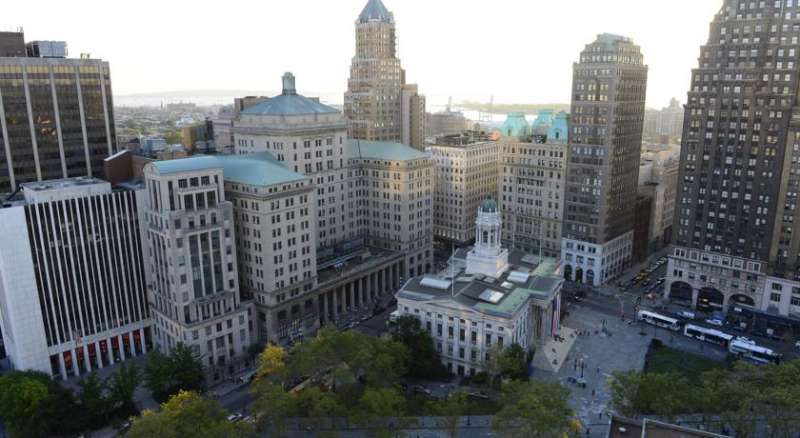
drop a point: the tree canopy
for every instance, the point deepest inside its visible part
(181, 369)
(535, 408)
(188, 414)
(424, 361)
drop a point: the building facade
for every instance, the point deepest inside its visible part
(72, 281)
(658, 179)
(466, 173)
(605, 138)
(532, 183)
(446, 123)
(487, 297)
(193, 284)
(664, 125)
(738, 180)
(56, 119)
(378, 104)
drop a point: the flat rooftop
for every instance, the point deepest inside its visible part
(529, 277)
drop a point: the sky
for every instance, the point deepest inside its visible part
(519, 51)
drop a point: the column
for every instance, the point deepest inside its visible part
(132, 344)
(109, 353)
(62, 366)
(349, 288)
(75, 368)
(323, 298)
(144, 340)
(362, 291)
(695, 294)
(335, 303)
(98, 355)
(121, 348)
(86, 358)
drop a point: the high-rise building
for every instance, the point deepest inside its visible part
(465, 166)
(56, 118)
(378, 104)
(326, 225)
(736, 214)
(72, 281)
(664, 125)
(608, 94)
(658, 179)
(192, 280)
(532, 170)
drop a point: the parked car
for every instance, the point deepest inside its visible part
(715, 321)
(235, 417)
(688, 314)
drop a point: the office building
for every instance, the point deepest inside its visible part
(488, 296)
(193, 284)
(378, 104)
(532, 172)
(446, 122)
(12, 43)
(56, 118)
(664, 124)
(736, 215)
(658, 180)
(608, 92)
(465, 175)
(72, 281)
(358, 222)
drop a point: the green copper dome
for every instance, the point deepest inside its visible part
(488, 206)
(543, 121)
(515, 126)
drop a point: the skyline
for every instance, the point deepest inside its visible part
(513, 59)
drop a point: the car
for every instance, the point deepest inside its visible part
(577, 298)
(365, 317)
(479, 394)
(422, 390)
(715, 321)
(688, 314)
(745, 340)
(235, 417)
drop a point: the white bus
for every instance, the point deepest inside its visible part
(659, 320)
(747, 349)
(711, 336)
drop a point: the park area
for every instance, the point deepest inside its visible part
(662, 359)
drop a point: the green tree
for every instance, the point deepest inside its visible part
(158, 375)
(513, 363)
(189, 372)
(424, 361)
(272, 363)
(272, 406)
(34, 405)
(451, 409)
(93, 401)
(535, 408)
(664, 394)
(318, 406)
(187, 414)
(381, 409)
(182, 369)
(121, 387)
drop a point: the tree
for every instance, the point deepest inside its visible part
(513, 363)
(452, 409)
(122, 387)
(424, 361)
(188, 414)
(317, 406)
(272, 363)
(189, 373)
(667, 394)
(272, 406)
(158, 375)
(93, 401)
(537, 409)
(381, 409)
(34, 405)
(181, 370)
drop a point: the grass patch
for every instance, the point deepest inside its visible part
(662, 359)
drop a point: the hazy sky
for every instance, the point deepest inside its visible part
(516, 50)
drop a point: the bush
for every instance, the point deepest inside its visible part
(655, 344)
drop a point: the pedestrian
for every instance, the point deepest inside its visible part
(598, 371)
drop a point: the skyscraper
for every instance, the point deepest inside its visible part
(736, 215)
(56, 118)
(608, 95)
(378, 104)
(72, 281)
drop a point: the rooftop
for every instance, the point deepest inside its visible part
(529, 278)
(289, 103)
(515, 125)
(258, 169)
(383, 150)
(374, 10)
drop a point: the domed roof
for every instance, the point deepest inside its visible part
(515, 125)
(289, 103)
(375, 11)
(543, 121)
(559, 130)
(488, 206)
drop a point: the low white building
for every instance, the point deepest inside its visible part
(488, 295)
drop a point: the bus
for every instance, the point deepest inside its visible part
(659, 320)
(711, 336)
(747, 349)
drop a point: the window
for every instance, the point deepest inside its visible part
(775, 297)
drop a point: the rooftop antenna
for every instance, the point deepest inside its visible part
(449, 103)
